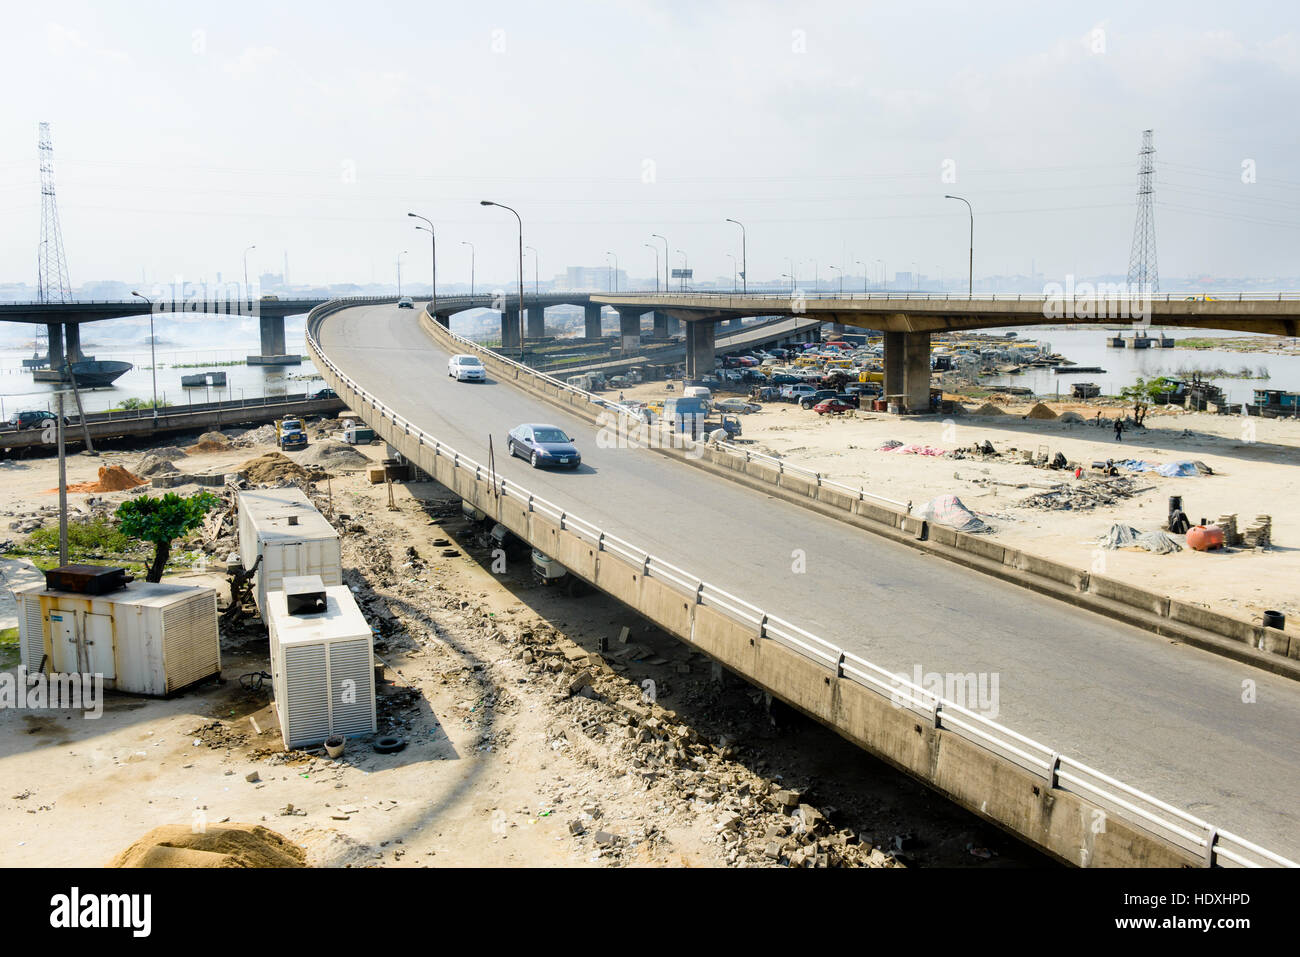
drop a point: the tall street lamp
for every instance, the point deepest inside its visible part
(399, 273)
(537, 271)
(153, 359)
(841, 272)
(884, 275)
(433, 255)
(859, 262)
(667, 284)
(488, 202)
(613, 277)
(247, 294)
(471, 266)
(970, 281)
(656, 251)
(793, 281)
(744, 255)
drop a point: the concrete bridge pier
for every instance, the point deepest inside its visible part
(907, 369)
(674, 326)
(536, 322)
(591, 320)
(72, 334)
(55, 332)
(510, 331)
(629, 329)
(700, 342)
(274, 351)
(660, 325)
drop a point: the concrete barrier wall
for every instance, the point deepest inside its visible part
(976, 778)
(1276, 651)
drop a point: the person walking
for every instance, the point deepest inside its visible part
(1119, 428)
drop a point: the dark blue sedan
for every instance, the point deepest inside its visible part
(543, 445)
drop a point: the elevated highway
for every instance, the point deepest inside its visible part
(1165, 719)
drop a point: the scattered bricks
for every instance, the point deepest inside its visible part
(606, 839)
(579, 681)
(1231, 537)
(252, 777)
(786, 799)
(811, 817)
(772, 851)
(576, 826)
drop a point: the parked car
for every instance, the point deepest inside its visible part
(543, 445)
(852, 398)
(466, 368)
(783, 378)
(324, 394)
(737, 405)
(405, 303)
(793, 393)
(833, 405)
(33, 419)
(821, 395)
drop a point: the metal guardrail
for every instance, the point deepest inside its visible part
(785, 295)
(1213, 845)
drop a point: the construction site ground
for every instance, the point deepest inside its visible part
(526, 744)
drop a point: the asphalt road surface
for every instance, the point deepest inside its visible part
(1160, 716)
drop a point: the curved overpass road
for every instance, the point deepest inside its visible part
(1163, 717)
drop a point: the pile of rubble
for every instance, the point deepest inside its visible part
(1083, 495)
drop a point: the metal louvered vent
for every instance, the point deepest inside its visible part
(191, 645)
(352, 696)
(33, 637)
(305, 698)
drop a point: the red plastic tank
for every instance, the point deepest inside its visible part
(1202, 538)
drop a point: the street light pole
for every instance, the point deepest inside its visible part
(667, 284)
(247, 294)
(153, 360)
(613, 277)
(841, 272)
(970, 280)
(471, 266)
(859, 262)
(519, 219)
(536, 272)
(884, 275)
(744, 256)
(656, 252)
(433, 255)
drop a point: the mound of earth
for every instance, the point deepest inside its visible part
(1040, 411)
(154, 464)
(272, 467)
(1071, 417)
(112, 478)
(334, 455)
(209, 442)
(223, 845)
(988, 408)
(262, 435)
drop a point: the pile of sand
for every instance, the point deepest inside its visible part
(154, 464)
(112, 478)
(1040, 411)
(334, 455)
(272, 467)
(988, 408)
(225, 845)
(209, 442)
(1071, 417)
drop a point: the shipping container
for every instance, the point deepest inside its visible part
(282, 526)
(143, 638)
(322, 669)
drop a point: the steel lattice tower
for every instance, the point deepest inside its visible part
(52, 283)
(1143, 273)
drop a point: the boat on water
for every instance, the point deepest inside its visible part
(98, 373)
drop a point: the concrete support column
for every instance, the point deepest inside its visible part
(72, 333)
(536, 322)
(629, 329)
(894, 363)
(661, 325)
(700, 340)
(55, 332)
(510, 329)
(591, 320)
(272, 329)
(674, 326)
(916, 371)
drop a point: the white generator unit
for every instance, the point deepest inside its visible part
(284, 528)
(322, 664)
(143, 638)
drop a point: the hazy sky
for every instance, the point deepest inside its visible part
(185, 132)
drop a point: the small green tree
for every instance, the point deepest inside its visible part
(161, 521)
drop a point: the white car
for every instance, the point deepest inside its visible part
(465, 368)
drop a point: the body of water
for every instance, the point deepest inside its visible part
(18, 391)
(1087, 347)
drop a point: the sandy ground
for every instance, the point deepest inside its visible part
(503, 767)
(1254, 460)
